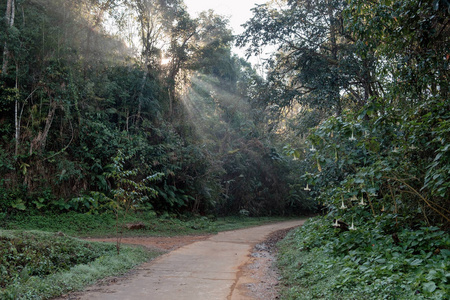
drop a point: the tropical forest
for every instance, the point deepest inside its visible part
(134, 118)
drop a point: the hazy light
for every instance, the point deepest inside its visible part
(165, 61)
(239, 11)
(206, 105)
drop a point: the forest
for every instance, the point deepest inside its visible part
(136, 106)
(88, 84)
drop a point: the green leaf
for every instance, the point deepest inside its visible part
(416, 262)
(19, 204)
(429, 286)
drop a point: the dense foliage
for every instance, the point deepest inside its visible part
(360, 88)
(79, 88)
(386, 143)
(126, 105)
(322, 262)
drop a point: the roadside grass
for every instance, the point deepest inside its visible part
(41, 265)
(319, 262)
(104, 225)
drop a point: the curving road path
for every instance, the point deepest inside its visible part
(205, 270)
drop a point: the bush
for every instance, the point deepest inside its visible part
(25, 254)
(365, 263)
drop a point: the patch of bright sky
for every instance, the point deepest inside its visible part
(239, 11)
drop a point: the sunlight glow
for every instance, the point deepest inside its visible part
(211, 115)
(165, 61)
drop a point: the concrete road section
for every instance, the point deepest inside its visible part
(204, 270)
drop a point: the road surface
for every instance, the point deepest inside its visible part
(205, 270)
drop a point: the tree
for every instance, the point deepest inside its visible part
(155, 20)
(316, 64)
(129, 191)
(9, 26)
(180, 50)
(213, 54)
(411, 45)
(9, 23)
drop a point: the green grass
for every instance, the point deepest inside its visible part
(103, 225)
(41, 265)
(320, 262)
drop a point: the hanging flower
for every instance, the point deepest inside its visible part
(352, 138)
(307, 188)
(343, 205)
(382, 209)
(352, 227)
(336, 224)
(362, 201)
(395, 150)
(312, 149)
(354, 198)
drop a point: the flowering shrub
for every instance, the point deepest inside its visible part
(385, 162)
(319, 262)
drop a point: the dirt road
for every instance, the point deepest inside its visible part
(209, 269)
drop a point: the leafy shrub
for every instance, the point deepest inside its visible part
(25, 254)
(367, 262)
(100, 261)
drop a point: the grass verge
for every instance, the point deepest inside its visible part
(320, 262)
(103, 225)
(41, 265)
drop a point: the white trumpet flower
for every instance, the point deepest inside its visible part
(352, 227)
(307, 188)
(362, 201)
(352, 138)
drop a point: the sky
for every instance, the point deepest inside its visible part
(238, 10)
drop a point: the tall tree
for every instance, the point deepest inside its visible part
(155, 19)
(316, 64)
(180, 37)
(214, 47)
(412, 44)
(9, 23)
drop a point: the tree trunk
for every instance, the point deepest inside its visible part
(9, 20)
(334, 56)
(38, 142)
(16, 113)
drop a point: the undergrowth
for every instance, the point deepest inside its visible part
(321, 262)
(41, 265)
